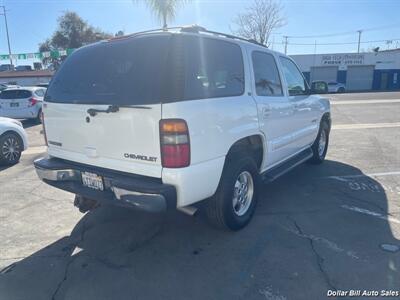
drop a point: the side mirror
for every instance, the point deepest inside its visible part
(319, 87)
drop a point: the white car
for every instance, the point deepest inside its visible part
(336, 87)
(4, 86)
(167, 119)
(13, 141)
(22, 102)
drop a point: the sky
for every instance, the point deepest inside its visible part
(32, 21)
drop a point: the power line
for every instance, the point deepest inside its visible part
(345, 43)
(343, 33)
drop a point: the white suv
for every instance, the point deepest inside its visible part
(166, 119)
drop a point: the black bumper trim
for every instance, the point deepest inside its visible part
(140, 191)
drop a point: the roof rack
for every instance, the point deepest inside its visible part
(198, 29)
(193, 29)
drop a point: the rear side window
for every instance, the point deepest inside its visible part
(15, 94)
(151, 69)
(213, 68)
(39, 93)
(266, 75)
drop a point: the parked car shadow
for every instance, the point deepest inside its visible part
(28, 123)
(301, 233)
(4, 167)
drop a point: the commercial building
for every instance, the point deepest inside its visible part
(379, 71)
(26, 77)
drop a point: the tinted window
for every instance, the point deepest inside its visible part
(126, 71)
(266, 75)
(213, 68)
(15, 94)
(294, 78)
(148, 70)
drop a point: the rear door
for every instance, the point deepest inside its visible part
(275, 112)
(126, 76)
(14, 103)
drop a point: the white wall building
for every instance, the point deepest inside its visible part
(358, 71)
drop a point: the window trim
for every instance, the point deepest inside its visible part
(307, 88)
(277, 69)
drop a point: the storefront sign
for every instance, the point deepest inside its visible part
(342, 59)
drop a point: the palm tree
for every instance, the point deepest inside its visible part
(164, 10)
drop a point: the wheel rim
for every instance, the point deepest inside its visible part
(243, 193)
(322, 143)
(11, 149)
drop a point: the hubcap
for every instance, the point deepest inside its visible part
(243, 193)
(11, 149)
(322, 143)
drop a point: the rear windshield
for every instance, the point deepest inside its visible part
(148, 70)
(15, 94)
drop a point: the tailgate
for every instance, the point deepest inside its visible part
(127, 140)
(130, 74)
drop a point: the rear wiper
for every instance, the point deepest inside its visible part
(112, 109)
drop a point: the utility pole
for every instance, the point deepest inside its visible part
(286, 42)
(359, 40)
(8, 37)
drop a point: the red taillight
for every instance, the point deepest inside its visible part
(175, 144)
(44, 128)
(33, 101)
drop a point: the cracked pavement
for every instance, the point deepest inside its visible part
(301, 243)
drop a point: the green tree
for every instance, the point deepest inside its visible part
(164, 10)
(72, 32)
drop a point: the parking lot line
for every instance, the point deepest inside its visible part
(327, 243)
(365, 175)
(365, 126)
(371, 213)
(369, 101)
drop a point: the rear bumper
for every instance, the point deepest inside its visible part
(121, 189)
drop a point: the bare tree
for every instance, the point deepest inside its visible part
(259, 20)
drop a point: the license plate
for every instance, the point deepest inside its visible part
(92, 181)
(14, 104)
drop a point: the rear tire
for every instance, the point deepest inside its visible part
(234, 202)
(320, 146)
(11, 147)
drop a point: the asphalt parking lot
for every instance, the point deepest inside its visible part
(335, 226)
